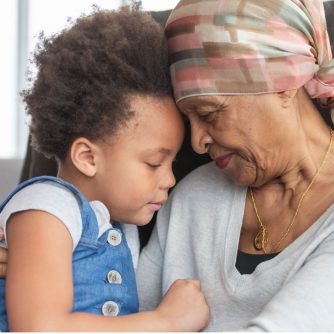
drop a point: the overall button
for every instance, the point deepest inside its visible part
(114, 237)
(110, 308)
(114, 277)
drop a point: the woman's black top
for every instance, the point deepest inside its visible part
(246, 263)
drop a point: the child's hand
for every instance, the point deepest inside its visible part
(184, 306)
(3, 257)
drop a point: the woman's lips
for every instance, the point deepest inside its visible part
(223, 161)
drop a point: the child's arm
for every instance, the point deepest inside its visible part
(39, 292)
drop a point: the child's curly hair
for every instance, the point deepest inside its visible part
(87, 73)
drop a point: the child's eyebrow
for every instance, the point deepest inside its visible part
(162, 150)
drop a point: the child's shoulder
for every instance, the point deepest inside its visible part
(45, 194)
(49, 197)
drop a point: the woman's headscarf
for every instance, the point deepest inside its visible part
(237, 47)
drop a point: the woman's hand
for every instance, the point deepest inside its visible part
(3, 257)
(184, 306)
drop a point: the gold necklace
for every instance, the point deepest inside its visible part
(261, 238)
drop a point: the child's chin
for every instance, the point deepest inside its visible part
(142, 221)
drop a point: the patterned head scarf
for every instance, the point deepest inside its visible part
(236, 47)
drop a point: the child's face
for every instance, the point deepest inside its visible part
(135, 170)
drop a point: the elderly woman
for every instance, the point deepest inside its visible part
(256, 226)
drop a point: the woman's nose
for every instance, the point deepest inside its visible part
(200, 138)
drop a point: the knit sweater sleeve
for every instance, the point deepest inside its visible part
(149, 274)
(149, 271)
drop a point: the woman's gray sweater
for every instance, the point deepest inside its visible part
(197, 236)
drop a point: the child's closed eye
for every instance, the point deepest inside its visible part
(152, 165)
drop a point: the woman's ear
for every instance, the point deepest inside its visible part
(287, 97)
(84, 156)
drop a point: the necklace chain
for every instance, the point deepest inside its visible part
(261, 238)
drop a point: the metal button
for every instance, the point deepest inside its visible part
(114, 237)
(110, 308)
(114, 277)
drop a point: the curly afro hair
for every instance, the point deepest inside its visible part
(87, 73)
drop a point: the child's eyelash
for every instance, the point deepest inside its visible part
(153, 165)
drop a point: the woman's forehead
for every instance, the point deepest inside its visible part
(203, 101)
(207, 103)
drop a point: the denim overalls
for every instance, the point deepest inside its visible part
(103, 274)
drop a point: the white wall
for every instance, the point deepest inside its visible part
(8, 78)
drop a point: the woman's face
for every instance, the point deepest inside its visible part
(241, 133)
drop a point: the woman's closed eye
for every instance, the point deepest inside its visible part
(207, 116)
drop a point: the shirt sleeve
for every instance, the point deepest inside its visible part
(149, 272)
(132, 238)
(51, 198)
(306, 301)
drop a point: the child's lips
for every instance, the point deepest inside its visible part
(155, 206)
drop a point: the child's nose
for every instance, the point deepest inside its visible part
(168, 180)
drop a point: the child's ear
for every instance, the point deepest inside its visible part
(84, 156)
(287, 97)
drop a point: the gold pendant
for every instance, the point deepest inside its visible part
(261, 239)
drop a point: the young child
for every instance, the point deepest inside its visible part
(102, 105)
